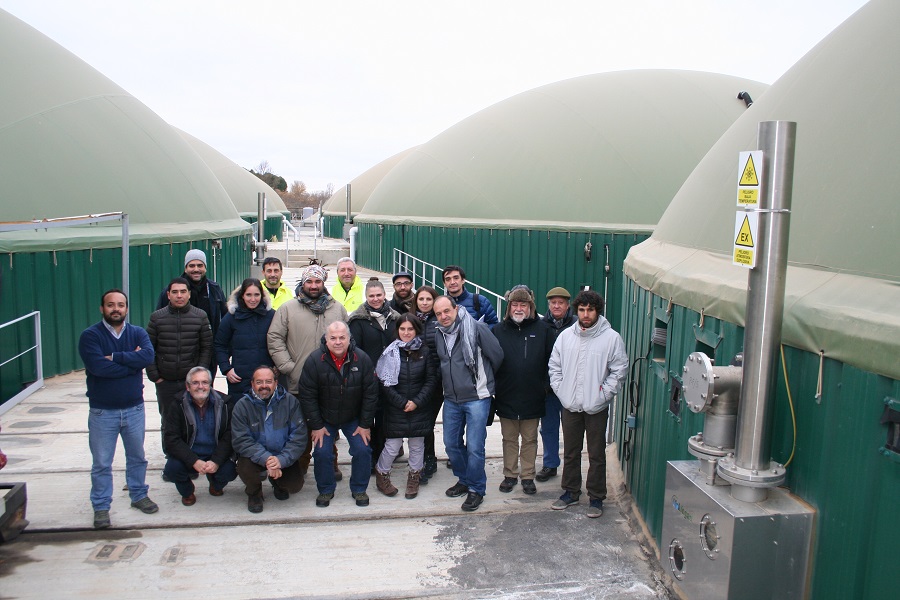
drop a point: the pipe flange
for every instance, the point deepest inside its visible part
(698, 379)
(731, 472)
(704, 451)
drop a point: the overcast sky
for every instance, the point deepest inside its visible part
(324, 90)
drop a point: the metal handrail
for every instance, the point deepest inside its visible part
(425, 273)
(38, 383)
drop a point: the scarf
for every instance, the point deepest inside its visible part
(379, 314)
(318, 305)
(424, 316)
(388, 367)
(463, 330)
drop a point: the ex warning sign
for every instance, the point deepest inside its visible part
(746, 228)
(750, 165)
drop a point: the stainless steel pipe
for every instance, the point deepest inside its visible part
(751, 467)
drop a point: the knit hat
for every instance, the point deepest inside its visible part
(558, 292)
(401, 274)
(314, 271)
(194, 254)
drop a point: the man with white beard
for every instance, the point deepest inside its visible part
(522, 385)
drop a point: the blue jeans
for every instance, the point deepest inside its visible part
(468, 459)
(550, 431)
(360, 462)
(104, 428)
(180, 474)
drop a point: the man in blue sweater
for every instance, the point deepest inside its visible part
(114, 354)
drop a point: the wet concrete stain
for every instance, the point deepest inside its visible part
(548, 554)
(28, 424)
(45, 410)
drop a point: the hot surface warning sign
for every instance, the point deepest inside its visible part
(750, 166)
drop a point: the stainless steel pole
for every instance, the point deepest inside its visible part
(126, 270)
(752, 471)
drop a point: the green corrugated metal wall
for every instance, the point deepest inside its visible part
(501, 258)
(66, 288)
(333, 226)
(837, 467)
(273, 225)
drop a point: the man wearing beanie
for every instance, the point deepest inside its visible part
(521, 386)
(559, 316)
(297, 330)
(205, 295)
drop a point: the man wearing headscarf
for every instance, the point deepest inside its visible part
(469, 355)
(298, 327)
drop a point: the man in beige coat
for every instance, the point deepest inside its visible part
(298, 327)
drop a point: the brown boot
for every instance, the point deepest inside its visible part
(384, 485)
(412, 485)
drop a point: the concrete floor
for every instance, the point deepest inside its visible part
(514, 546)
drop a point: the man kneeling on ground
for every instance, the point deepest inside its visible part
(269, 435)
(198, 438)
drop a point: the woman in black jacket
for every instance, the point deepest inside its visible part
(408, 373)
(373, 327)
(240, 342)
(424, 303)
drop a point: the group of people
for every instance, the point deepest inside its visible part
(306, 366)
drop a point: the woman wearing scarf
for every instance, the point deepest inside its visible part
(373, 326)
(407, 370)
(424, 309)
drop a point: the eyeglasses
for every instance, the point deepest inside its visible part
(403, 284)
(199, 384)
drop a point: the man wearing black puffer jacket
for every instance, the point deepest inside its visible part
(339, 391)
(181, 335)
(522, 383)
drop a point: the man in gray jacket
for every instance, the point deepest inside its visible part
(469, 354)
(268, 434)
(587, 367)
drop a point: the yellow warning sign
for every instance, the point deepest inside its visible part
(746, 228)
(750, 173)
(745, 235)
(748, 177)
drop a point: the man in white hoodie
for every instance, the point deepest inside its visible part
(587, 367)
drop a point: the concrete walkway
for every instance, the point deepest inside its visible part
(514, 546)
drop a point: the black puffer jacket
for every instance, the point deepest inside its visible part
(368, 334)
(182, 339)
(416, 381)
(338, 397)
(522, 379)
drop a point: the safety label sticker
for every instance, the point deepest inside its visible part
(750, 165)
(746, 228)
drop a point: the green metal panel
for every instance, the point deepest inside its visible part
(837, 467)
(333, 226)
(501, 258)
(66, 288)
(274, 228)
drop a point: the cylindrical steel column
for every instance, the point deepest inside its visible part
(751, 472)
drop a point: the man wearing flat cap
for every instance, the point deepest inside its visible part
(403, 298)
(298, 327)
(559, 316)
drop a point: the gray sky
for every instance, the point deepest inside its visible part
(324, 90)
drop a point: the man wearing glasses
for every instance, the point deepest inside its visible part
(402, 301)
(198, 438)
